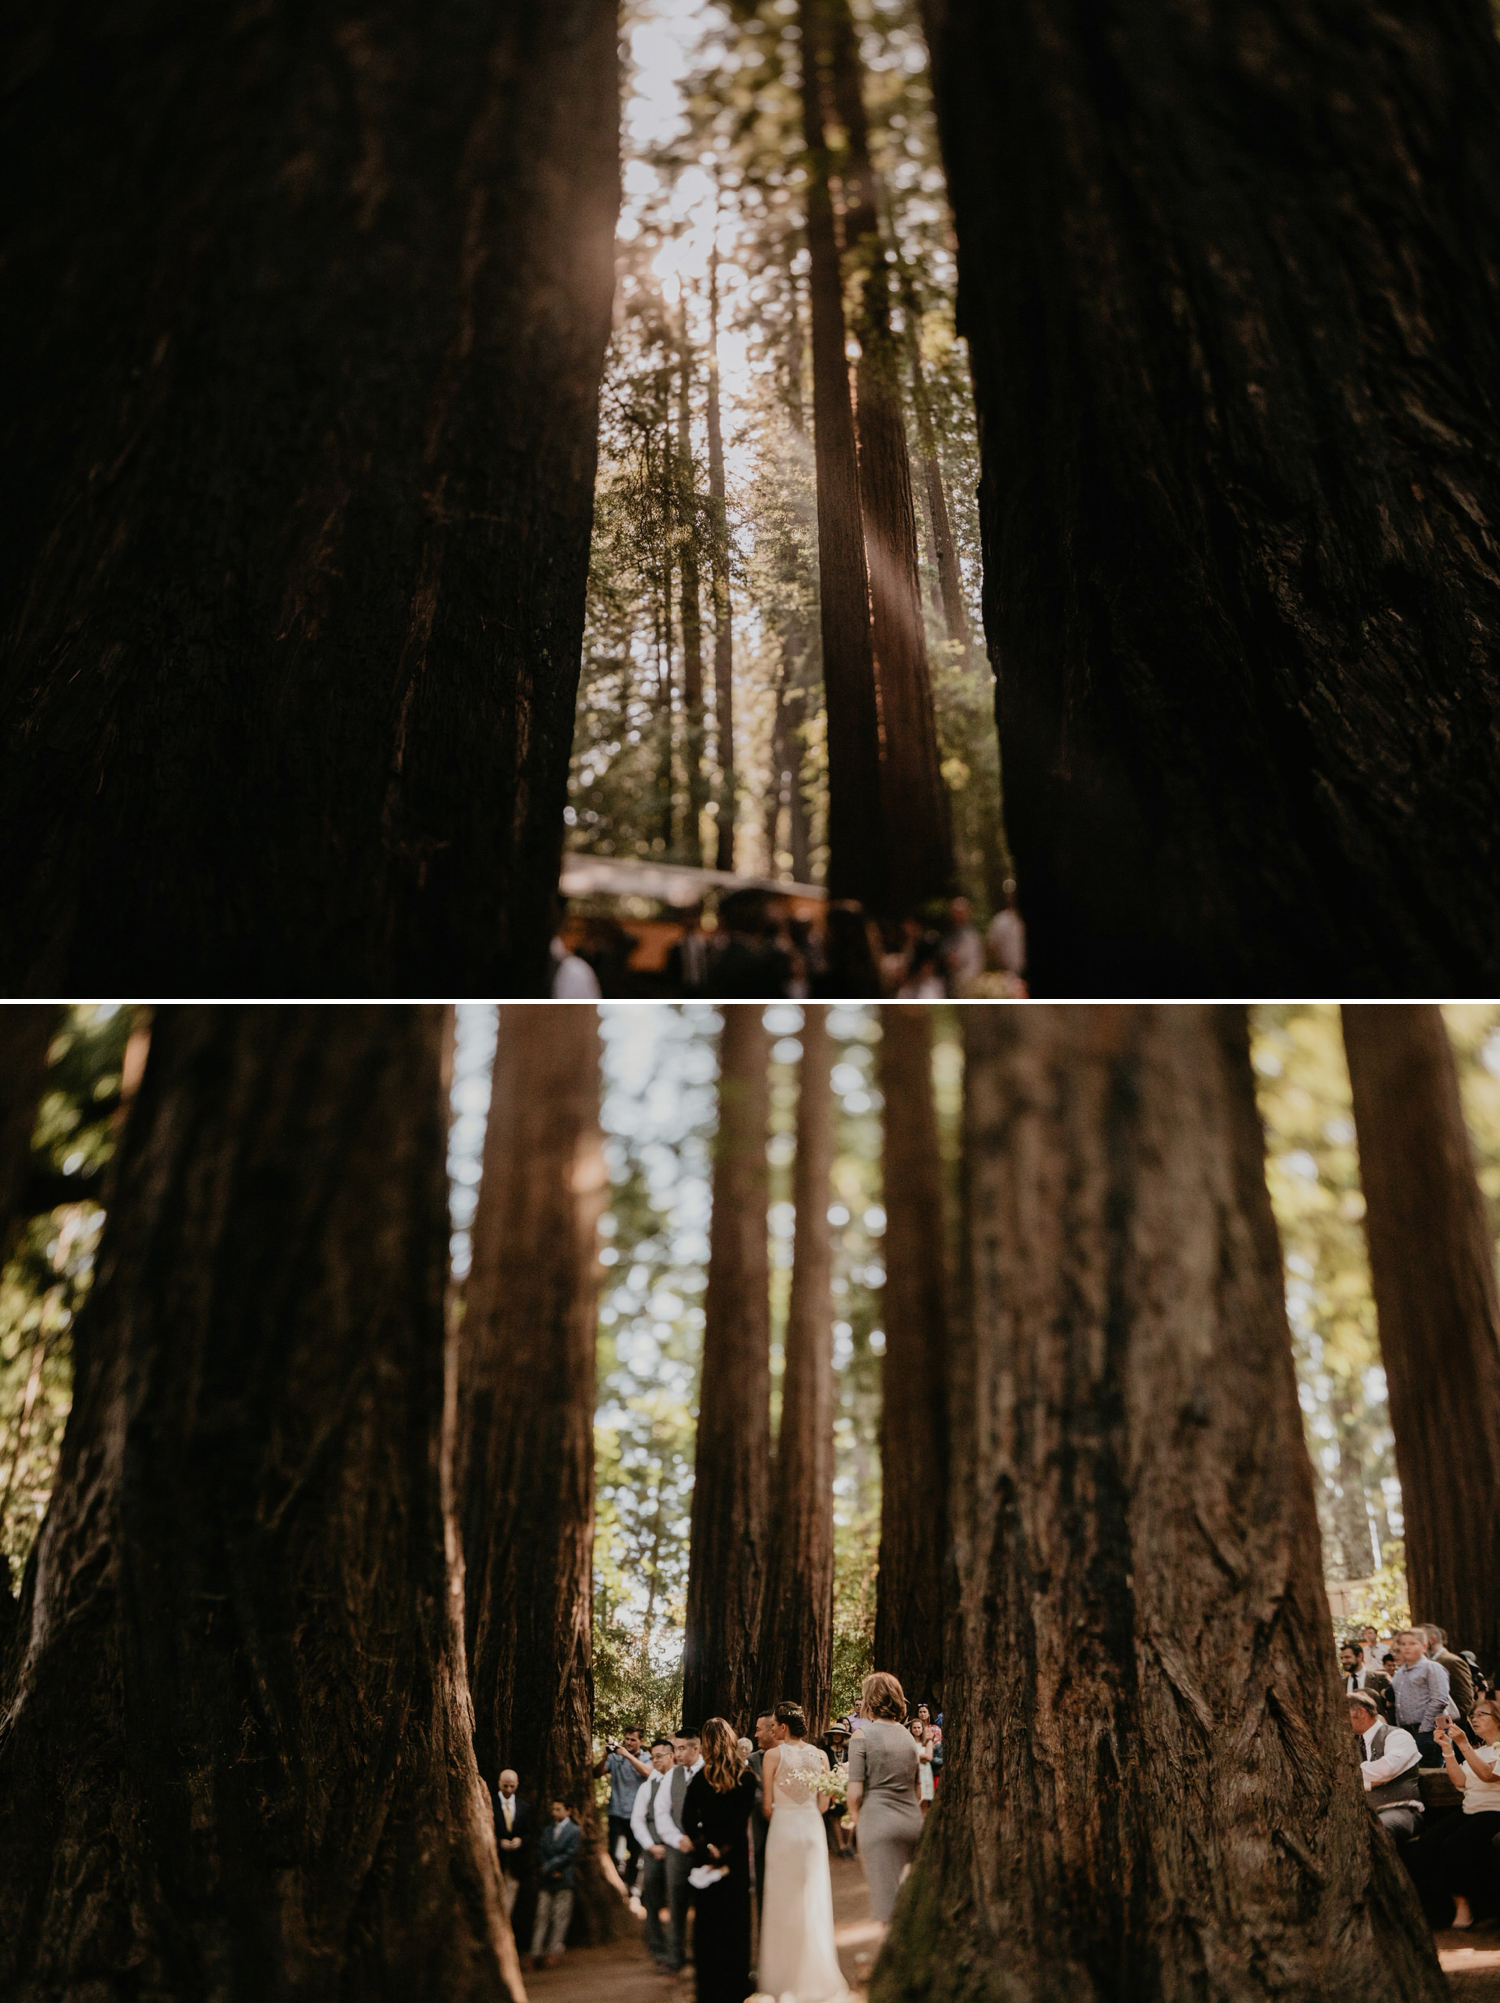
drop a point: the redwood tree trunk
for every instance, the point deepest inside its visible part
(944, 546)
(731, 1482)
(692, 612)
(1235, 328)
(723, 610)
(237, 1759)
(1150, 1789)
(857, 860)
(915, 797)
(299, 441)
(1432, 1264)
(25, 1033)
(797, 1629)
(909, 1597)
(524, 1462)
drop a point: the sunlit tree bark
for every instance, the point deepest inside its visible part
(723, 608)
(797, 1626)
(300, 396)
(1149, 1790)
(1432, 1265)
(236, 1760)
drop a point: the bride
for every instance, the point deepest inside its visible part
(798, 1960)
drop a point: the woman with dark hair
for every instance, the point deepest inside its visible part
(716, 1816)
(799, 1958)
(884, 1800)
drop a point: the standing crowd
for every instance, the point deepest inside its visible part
(1427, 1729)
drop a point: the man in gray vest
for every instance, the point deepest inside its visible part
(1389, 1761)
(687, 1759)
(658, 1838)
(765, 1738)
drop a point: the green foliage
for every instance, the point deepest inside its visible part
(1380, 1602)
(46, 1282)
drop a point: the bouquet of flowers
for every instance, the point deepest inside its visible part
(834, 1783)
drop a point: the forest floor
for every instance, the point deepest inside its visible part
(1471, 1962)
(625, 1973)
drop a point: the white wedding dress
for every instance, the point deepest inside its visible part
(799, 1962)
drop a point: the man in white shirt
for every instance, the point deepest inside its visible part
(1389, 1766)
(659, 1837)
(512, 1826)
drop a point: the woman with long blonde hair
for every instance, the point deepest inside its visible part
(716, 1816)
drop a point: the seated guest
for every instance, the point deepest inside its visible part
(1460, 1682)
(557, 1871)
(1359, 1675)
(1456, 1857)
(512, 1827)
(1419, 1689)
(1389, 1766)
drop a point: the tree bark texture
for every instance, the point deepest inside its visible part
(524, 1461)
(731, 1480)
(25, 1033)
(1150, 1789)
(691, 603)
(1235, 328)
(723, 609)
(797, 1627)
(940, 523)
(915, 798)
(299, 445)
(909, 1594)
(237, 1758)
(1432, 1266)
(857, 861)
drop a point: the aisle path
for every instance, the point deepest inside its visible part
(624, 1973)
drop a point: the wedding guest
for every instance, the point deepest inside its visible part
(659, 1838)
(934, 1732)
(924, 1762)
(686, 1761)
(512, 1827)
(1388, 1763)
(627, 1767)
(1359, 1676)
(1419, 1689)
(1457, 1855)
(765, 1738)
(557, 1870)
(1460, 1679)
(884, 1804)
(1377, 1655)
(717, 1808)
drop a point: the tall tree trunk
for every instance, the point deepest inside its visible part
(1235, 327)
(731, 1482)
(301, 395)
(524, 1464)
(1432, 1264)
(793, 724)
(723, 610)
(858, 866)
(944, 546)
(667, 514)
(1150, 1788)
(916, 799)
(797, 1627)
(691, 614)
(909, 1603)
(237, 1759)
(25, 1033)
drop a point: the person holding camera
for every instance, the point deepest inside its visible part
(627, 1767)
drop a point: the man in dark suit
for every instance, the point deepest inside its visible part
(1358, 1677)
(512, 1833)
(765, 1738)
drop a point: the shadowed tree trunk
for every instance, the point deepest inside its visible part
(723, 612)
(1432, 1265)
(857, 861)
(237, 1758)
(731, 1481)
(25, 1033)
(692, 612)
(1150, 1789)
(1234, 323)
(944, 545)
(797, 1627)
(915, 797)
(909, 1596)
(299, 444)
(524, 1460)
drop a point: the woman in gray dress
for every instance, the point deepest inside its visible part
(884, 1805)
